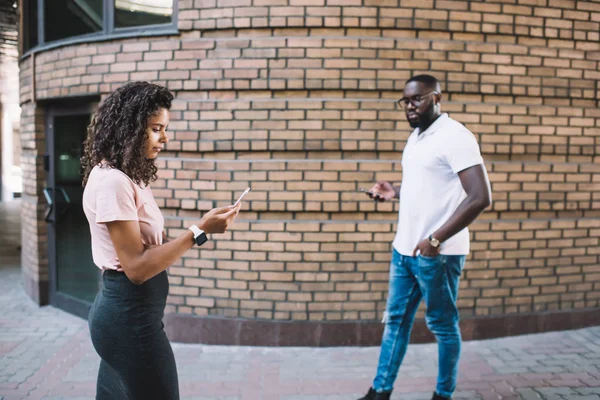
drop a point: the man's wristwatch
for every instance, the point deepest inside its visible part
(199, 235)
(434, 242)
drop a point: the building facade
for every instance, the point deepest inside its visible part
(297, 100)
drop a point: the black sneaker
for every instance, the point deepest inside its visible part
(438, 397)
(373, 395)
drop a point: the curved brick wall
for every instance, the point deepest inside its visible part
(296, 98)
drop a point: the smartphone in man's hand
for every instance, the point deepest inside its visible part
(367, 192)
(374, 195)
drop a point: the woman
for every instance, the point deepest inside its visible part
(128, 243)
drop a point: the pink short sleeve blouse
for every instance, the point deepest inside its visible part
(110, 195)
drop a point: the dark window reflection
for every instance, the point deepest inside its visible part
(129, 13)
(68, 18)
(30, 22)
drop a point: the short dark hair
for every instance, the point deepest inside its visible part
(429, 81)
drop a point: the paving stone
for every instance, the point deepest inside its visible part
(528, 394)
(589, 390)
(590, 397)
(563, 391)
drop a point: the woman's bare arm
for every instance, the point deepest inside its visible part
(141, 263)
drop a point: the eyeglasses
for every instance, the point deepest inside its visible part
(415, 100)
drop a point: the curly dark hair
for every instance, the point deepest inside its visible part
(117, 133)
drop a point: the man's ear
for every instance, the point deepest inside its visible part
(438, 98)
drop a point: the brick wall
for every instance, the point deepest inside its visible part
(34, 232)
(296, 99)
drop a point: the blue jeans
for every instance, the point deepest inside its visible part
(412, 279)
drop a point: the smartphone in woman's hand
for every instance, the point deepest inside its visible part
(242, 196)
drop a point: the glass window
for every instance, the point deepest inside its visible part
(30, 22)
(67, 18)
(88, 20)
(130, 13)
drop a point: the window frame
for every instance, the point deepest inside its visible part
(109, 32)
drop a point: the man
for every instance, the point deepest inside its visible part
(444, 188)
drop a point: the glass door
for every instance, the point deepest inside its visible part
(74, 279)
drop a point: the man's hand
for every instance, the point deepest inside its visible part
(426, 249)
(382, 191)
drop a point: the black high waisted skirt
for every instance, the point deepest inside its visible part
(125, 321)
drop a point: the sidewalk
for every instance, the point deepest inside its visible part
(47, 354)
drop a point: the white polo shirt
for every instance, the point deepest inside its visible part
(431, 189)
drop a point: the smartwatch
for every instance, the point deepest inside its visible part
(199, 235)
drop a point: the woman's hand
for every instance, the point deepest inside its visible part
(218, 220)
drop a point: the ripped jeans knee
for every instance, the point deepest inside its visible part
(391, 318)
